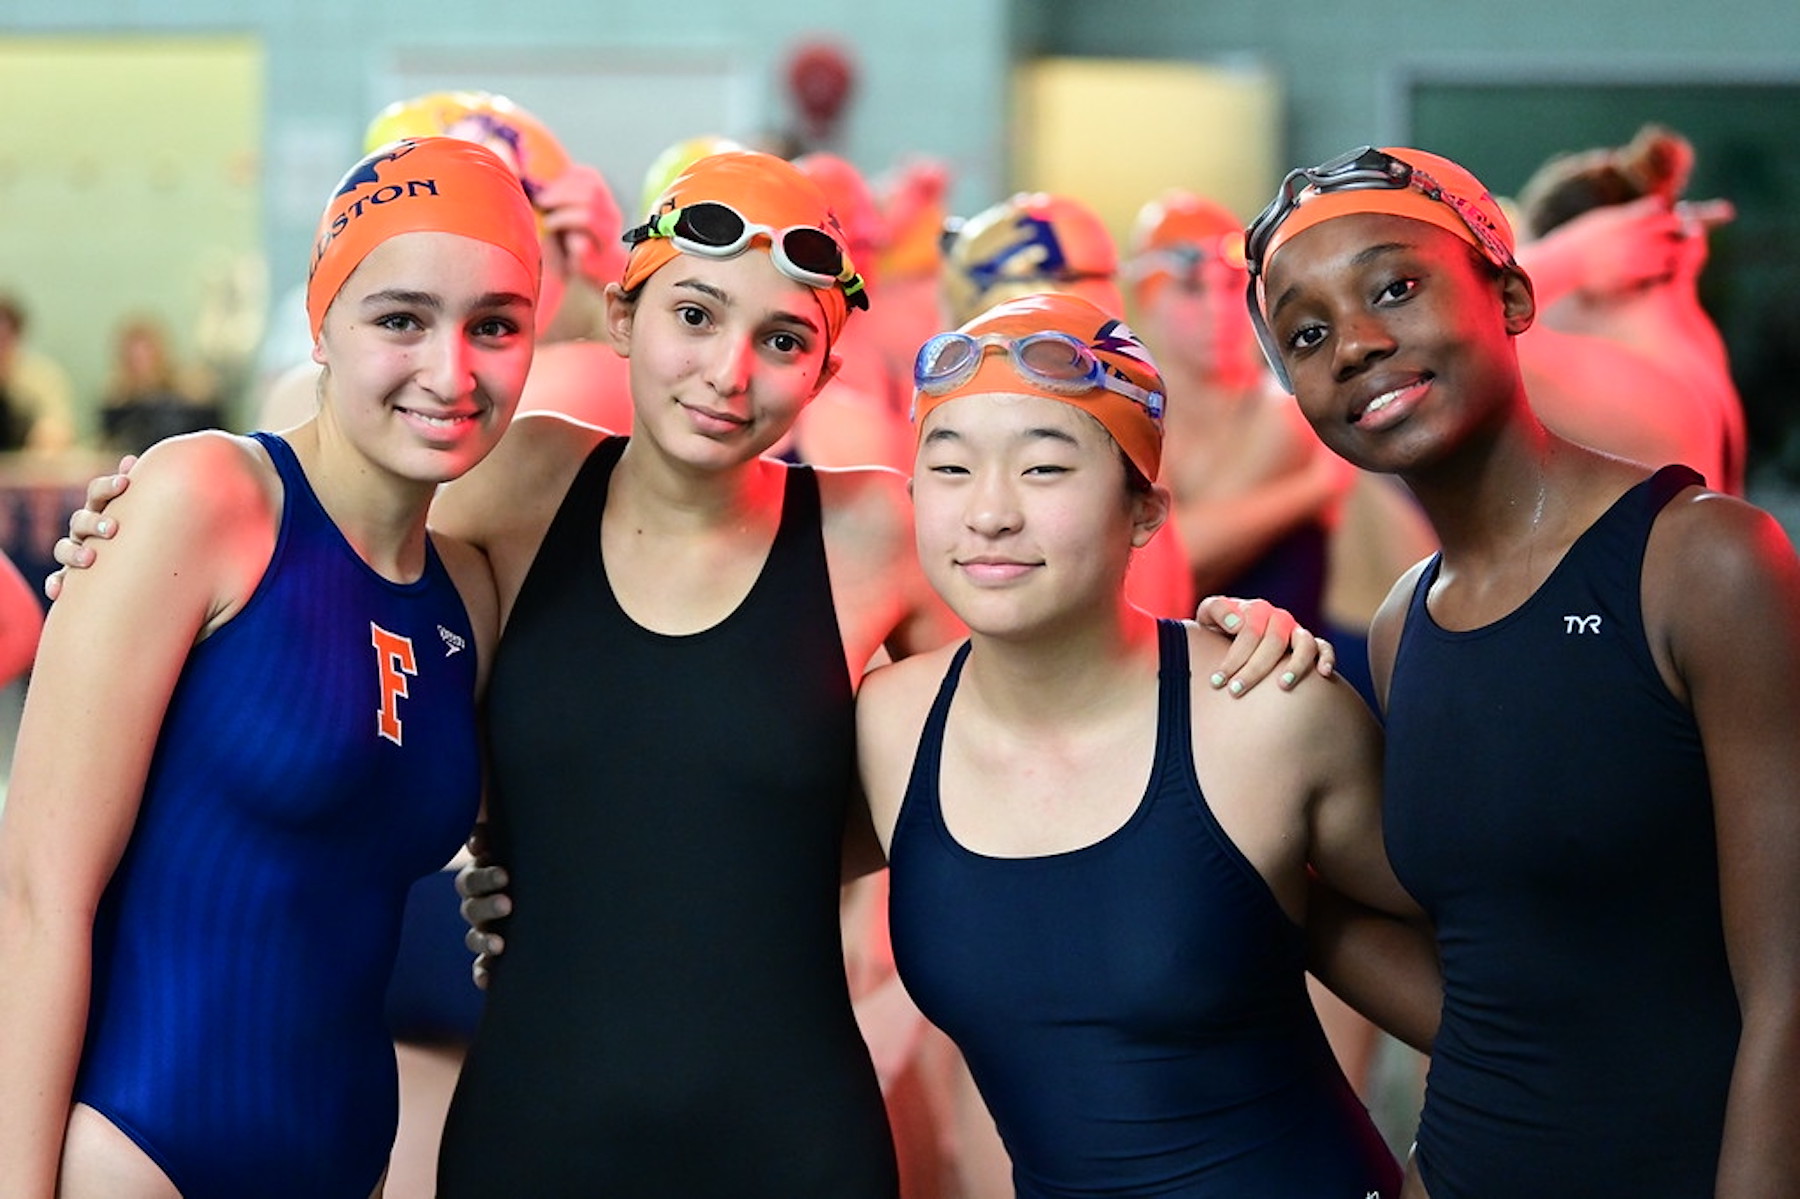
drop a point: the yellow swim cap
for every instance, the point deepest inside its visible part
(668, 166)
(522, 141)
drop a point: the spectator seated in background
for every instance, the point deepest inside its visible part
(147, 399)
(34, 390)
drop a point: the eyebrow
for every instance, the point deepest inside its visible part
(1049, 434)
(723, 297)
(1036, 433)
(1360, 259)
(435, 303)
(401, 295)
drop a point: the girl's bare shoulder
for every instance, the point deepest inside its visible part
(209, 475)
(899, 688)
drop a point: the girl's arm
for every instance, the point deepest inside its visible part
(109, 658)
(1722, 606)
(1366, 938)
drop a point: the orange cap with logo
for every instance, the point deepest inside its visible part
(1136, 427)
(763, 190)
(419, 185)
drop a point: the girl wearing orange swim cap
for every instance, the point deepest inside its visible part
(687, 619)
(1590, 695)
(1068, 899)
(291, 663)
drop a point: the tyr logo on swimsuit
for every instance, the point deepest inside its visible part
(1581, 624)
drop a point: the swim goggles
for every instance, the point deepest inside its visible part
(1053, 361)
(1361, 169)
(804, 253)
(1182, 260)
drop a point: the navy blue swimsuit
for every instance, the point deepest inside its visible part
(1134, 1012)
(1548, 805)
(321, 742)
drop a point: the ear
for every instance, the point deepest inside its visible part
(1149, 512)
(318, 351)
(1517, 301)
(620, 313)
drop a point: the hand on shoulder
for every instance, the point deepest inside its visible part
(202, 482)
(197, 524)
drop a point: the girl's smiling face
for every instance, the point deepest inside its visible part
(426, 348)
(1023, 515)
(724, 354)
(1396, 335)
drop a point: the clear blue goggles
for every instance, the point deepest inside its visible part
(804, 253)
(1053, 361)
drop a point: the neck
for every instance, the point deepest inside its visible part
(1056, 676)
(1490, 502)
(382, 516)
(662, 493)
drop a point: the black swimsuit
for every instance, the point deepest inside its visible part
(671, 1016)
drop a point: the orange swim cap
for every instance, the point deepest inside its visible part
(1121, 356)
(852, 201)
(1440, 193)
(763, 190)
(1177, 231)
(419, 185)
(668, 166)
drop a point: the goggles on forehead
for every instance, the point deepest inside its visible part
(1053, 361)
(1364, 169)
(804, 253)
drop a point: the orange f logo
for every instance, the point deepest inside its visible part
(393, 662)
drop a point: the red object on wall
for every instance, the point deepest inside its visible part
(820, 78)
